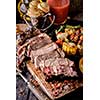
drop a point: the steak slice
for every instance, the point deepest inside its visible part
(38, 42)
(59, 66)
(40, 60)
(49, 51)
(44, 50)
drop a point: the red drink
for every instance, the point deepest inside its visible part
(60, 9)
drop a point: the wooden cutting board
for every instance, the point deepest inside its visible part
(40, 78)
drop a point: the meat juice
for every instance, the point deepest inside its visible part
(60, 9)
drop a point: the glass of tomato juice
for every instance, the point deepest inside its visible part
(59, 8)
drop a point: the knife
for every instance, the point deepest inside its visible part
(38, 93)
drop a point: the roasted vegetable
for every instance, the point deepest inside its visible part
(60, 29)
(59, 42)
(70, 35)
(62, 36)
(69, 48)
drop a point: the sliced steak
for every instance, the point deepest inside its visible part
(44, 50)
(59, 66)
(40, 41)
(22, 36)
(31, 45)
(46, 59)
(37, 43)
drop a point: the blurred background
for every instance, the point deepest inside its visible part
(75, 10)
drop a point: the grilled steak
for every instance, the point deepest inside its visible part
(21, 37)
(40, 41)
(44, 50)
(47, 52)
(46, 55)
(31, 45)
(59, 66)
(40, 60)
